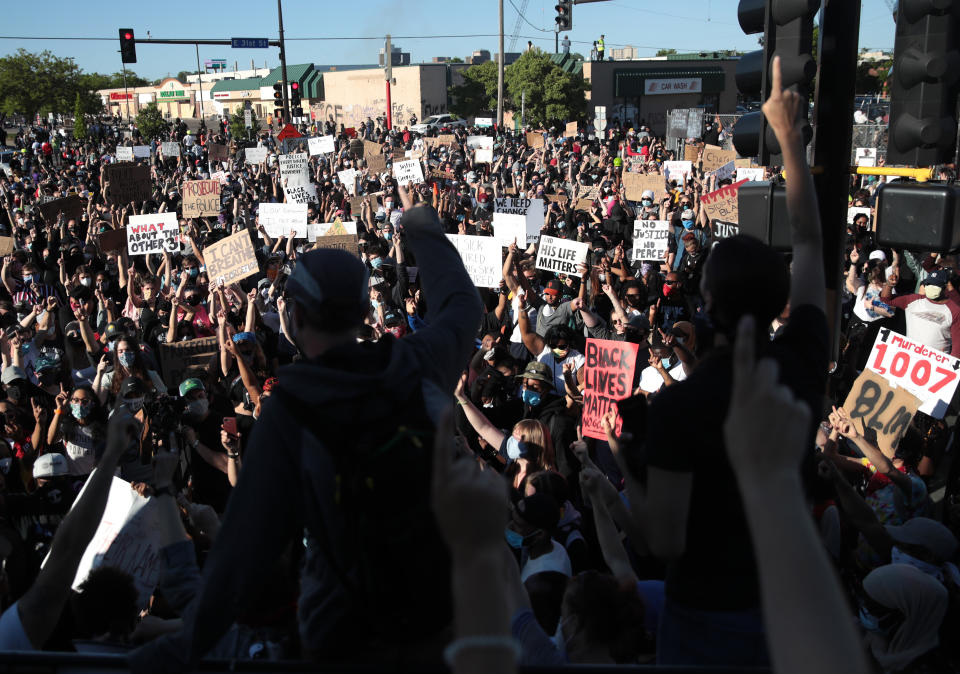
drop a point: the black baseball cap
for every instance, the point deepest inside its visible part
(327, 275)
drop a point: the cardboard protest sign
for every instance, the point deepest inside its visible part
(72, 208)
(377, 163)
(655, 182)
(153, 233)
(128, 182)
(557, 198)
(296, 176)
(321, 145)
(929, 374)
(744, 163)
(356, 203)
(230, 259)
(535, 139)
(724, 172)
(170, 149)
(348, 179)
(408, 171)
(650, 239)
(754, 174)
(446, 139)
(113, 239)
(128, 538)
(7, 244)
(722, 204)
(200, 198)
(714, 157)
(180, 360)
(124, 153)
(561, 256)
(571, 130)
(608, 377)
(725, 230)
(531, 209)
(279, 219)
(371, 148)
(483, 156)
(347, 242)
(255, 155)
(854, 211)
(876, 405)
(141, 151)
(584, 204)
(481, 258)
(677, 170)
(866, 156)
(634, 185)
(691, 152)
(510, 227)
(217, 152)
(481, 142)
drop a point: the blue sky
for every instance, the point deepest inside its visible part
(686, 25)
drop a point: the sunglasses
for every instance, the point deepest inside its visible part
(671, 283)
(558, 345)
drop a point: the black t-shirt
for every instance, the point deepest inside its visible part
(684, 434)
(210, 485)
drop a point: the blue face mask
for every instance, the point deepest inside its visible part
(127, 358)
(80, 411)
(28, 279)
(193, 272)
(388, 235)
(514, 540)
(687, 224)
(530, 397)
(376, 262)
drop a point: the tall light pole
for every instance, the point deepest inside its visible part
(283, 65)
(500, 74)
(388, 73)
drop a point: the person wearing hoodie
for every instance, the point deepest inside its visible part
(288, 481)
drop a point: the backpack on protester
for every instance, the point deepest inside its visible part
(401, 584)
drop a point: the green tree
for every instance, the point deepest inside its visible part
(478, 93)
(238, 129)
(553, 95)
(872, 76)
(32, 83)
(455, 59)
(183, 74)
(150, 122)
(666, 52)
(79, 119)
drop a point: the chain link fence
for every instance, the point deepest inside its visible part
(728, 121)
(869, 136)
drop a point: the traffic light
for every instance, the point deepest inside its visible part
(787, 27)
(564, 15)
(923, 83)
(278, 95)
(128, 46)
(296, 110)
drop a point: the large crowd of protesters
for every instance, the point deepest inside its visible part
(732, 522)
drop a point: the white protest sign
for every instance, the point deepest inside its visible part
(561, 256)
(124, 153)
(480, 142)
(141, 151)
(483, 122)
(295, 177)
(408, 171)
(315, 229)
(677, 170)
(854, 211)
(650, 239)
(170, 149)
(248, 119)
(279, 219)
(5, 167)
(255, 155)
(128, 538)
(348, 179)
(532, 209)
(725, 171)
(867, 156)
(321, 145)
(153, 233)
(751, 174)
(929, 374)
(481, 258)
(510, 227)
(483, 156)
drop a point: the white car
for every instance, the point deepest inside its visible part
(438, 122)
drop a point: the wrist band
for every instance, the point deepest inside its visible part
(479, 641)
(235, 455)
(58, 411)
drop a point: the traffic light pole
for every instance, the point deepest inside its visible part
(123, 69)
(833, 100)
(283, 65)
(200, 90)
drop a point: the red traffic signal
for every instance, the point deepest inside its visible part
(295, 86)
(128, 46)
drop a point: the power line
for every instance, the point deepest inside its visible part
(542, 30)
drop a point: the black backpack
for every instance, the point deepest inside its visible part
(401, 585)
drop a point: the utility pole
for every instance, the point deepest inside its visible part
(200, 89)
(388, 71)
(283, 65)
(123, 69)
(556, 42)
(500, 75)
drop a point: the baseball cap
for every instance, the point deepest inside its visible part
(537, 370)
(191, 384)
(50, 465)
(878, 255)
(647, 194)
(112, 330)
(927, 533)
(553, 287)
(12, 373)
(686, 214)
(328, 274)
(46, 362)
(938, 278)
(639, 322)
(244, 337)
(539, 510)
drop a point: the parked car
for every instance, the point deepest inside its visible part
(443, 122)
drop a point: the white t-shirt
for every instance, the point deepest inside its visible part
(860, 310)
(556, 560)
(515, 336)
(651, 380)
(573, 356)
(929, 323)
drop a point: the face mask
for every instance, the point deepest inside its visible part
(86, 282)
(127, 359)
(388, 235)
(668, 290)
(134, 404)
(602, 278)
(646, 202)
(376, 262)
(80, 411)
(932, 292)
(560, 354)
(198, 408)
(28, 279)
(388, 204)
(488, 406)
(530, 397)
(514, 540)
(397, 331)
(687, 224)
(5, 464)
(193, 272)
(513, 448)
